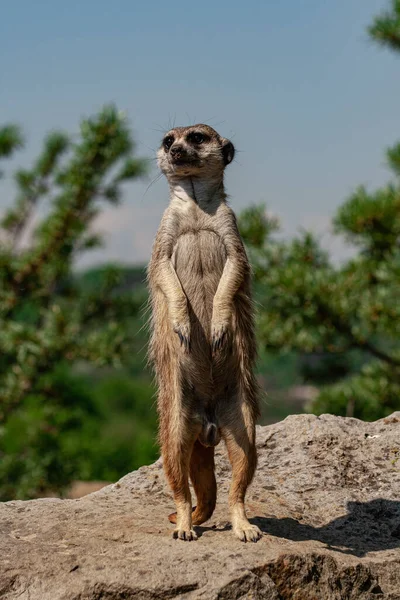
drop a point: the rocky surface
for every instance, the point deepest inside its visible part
(326, 495)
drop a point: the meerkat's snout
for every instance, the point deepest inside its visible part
(179, 154)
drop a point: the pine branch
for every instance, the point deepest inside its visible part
(374, 351)
(33, 185)
(343, 326)
(393, 156)
(10, 140)
(385, 29)
(372, 221)
(105, 140)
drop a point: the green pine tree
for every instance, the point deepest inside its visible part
(46, 321)
(311, 306)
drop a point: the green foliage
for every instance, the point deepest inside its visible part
(10, 139)
(34, 437)
(386, 28)
(373, 393)
(47, 318)
(128, 416)
(371, 221)
(309, 305)
(91, 428)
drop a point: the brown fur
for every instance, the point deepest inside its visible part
(202, 344)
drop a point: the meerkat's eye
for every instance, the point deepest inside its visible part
(168, 141)
(196, 137)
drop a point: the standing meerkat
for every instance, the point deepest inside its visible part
(202, 344)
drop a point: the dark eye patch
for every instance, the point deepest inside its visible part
(168, 141)
(196, 137)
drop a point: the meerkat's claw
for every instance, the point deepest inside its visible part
(183, 332)
(187, 536)
(218, 338)
(248, 533)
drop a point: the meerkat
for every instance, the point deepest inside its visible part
(202, 342)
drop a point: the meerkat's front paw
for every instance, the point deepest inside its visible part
(219, 334)
(187, 535)
(247, 532)
(183, 331)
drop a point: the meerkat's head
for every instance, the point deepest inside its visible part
(195, 151)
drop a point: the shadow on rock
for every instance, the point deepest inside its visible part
(367, 527)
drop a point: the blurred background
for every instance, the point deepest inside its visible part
(308, 93)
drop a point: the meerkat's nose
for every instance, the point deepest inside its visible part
(177, 151)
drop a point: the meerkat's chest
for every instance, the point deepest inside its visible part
(199, 251)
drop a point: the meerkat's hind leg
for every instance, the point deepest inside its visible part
(176, 455)
(203, 479)
(239, 436)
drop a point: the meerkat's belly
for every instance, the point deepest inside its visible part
(199, 258)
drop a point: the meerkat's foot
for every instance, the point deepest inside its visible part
(187, 535)
(246, 532)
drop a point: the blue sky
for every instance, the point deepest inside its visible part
(309, 101)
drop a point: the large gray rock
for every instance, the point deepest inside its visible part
(326, 495)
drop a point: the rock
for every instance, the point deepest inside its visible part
(326, 495)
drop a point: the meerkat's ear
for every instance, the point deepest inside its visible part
(228, 151)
